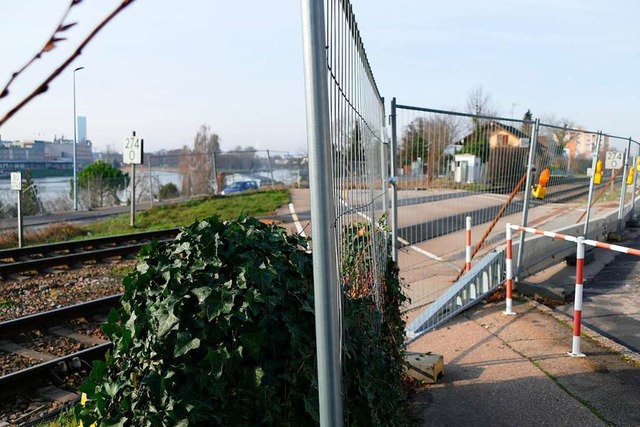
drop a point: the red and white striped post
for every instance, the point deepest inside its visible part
(577, 304)
(509, 265)
(468, 245)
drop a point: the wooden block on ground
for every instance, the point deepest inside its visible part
(425, 367)
(10, 347)
(56, 394)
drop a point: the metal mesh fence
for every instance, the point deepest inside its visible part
(348, 180)
(193, 173)
(357, 148)
(450, 166)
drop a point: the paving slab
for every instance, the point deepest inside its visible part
(514, 370)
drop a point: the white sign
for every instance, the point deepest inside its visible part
(614, 160)
(132, 150)
(16, 181)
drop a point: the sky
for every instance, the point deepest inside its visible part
(164, 68)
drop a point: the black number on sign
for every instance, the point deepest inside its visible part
(132, 155)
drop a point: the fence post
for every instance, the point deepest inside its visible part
(383, 163)
(467, 252)
(150, 183)
(325, 267)
(591, 184)
(623, 187)
(214, 171)
(577, 305)
(527, 190)
(394, 184)
(509, 266)
(273, 183)
(635, 182)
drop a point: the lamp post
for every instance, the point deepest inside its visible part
(75, 143)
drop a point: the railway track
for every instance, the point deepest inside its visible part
(47, 354)
(40, 257)
(44, 356)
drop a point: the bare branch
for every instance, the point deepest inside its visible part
(45, 84)
(50, 44)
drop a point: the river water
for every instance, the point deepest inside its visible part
(54, 188)
(59, 188)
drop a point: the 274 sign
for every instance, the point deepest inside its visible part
(132, 150)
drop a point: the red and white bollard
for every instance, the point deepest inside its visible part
(468, 245)
(509, 265)
(577, 304)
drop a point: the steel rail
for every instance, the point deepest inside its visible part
(18, 325)
(16, 253)
(69, 259)
(19, 380)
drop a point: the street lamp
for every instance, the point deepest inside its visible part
(75, 143)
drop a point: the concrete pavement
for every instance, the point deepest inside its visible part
(505, 370)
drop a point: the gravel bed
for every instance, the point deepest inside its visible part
(29, 295)
(26, 408)
(10, 362)
(85, 327)
(49, 344)
(21, 297)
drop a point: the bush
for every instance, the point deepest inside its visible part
(169, 191)
(217, 328)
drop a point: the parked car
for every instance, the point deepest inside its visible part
(239, 187)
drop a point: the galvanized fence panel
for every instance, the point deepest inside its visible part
(345, 122)
(357, 148)
(450, 166)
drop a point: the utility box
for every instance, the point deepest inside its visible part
(467, 168)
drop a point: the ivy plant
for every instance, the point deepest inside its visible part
(217, 328)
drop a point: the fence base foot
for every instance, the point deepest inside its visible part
(509, 313)
(576, 354)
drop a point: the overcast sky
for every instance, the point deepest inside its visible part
(163, 68)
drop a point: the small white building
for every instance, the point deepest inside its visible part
(467, 168)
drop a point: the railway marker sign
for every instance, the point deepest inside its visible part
(614, 160)
(16, 181)
(132, 150)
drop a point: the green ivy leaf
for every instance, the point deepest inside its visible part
(253, 343)
(202, 293)
(166, 321)
(185, 343)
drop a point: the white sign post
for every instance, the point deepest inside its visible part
(16, 185)
(132, 153)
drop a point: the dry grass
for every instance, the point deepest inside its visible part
(55, 232)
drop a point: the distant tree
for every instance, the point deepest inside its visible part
(101, 182)
(413, 143)
(169, 191)
(526, 126)
(196, 165)
(427, 139)
(560, 132)
(31, 203)
(238, 159)
(478, 146)
(479, 103)
(353, 156)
